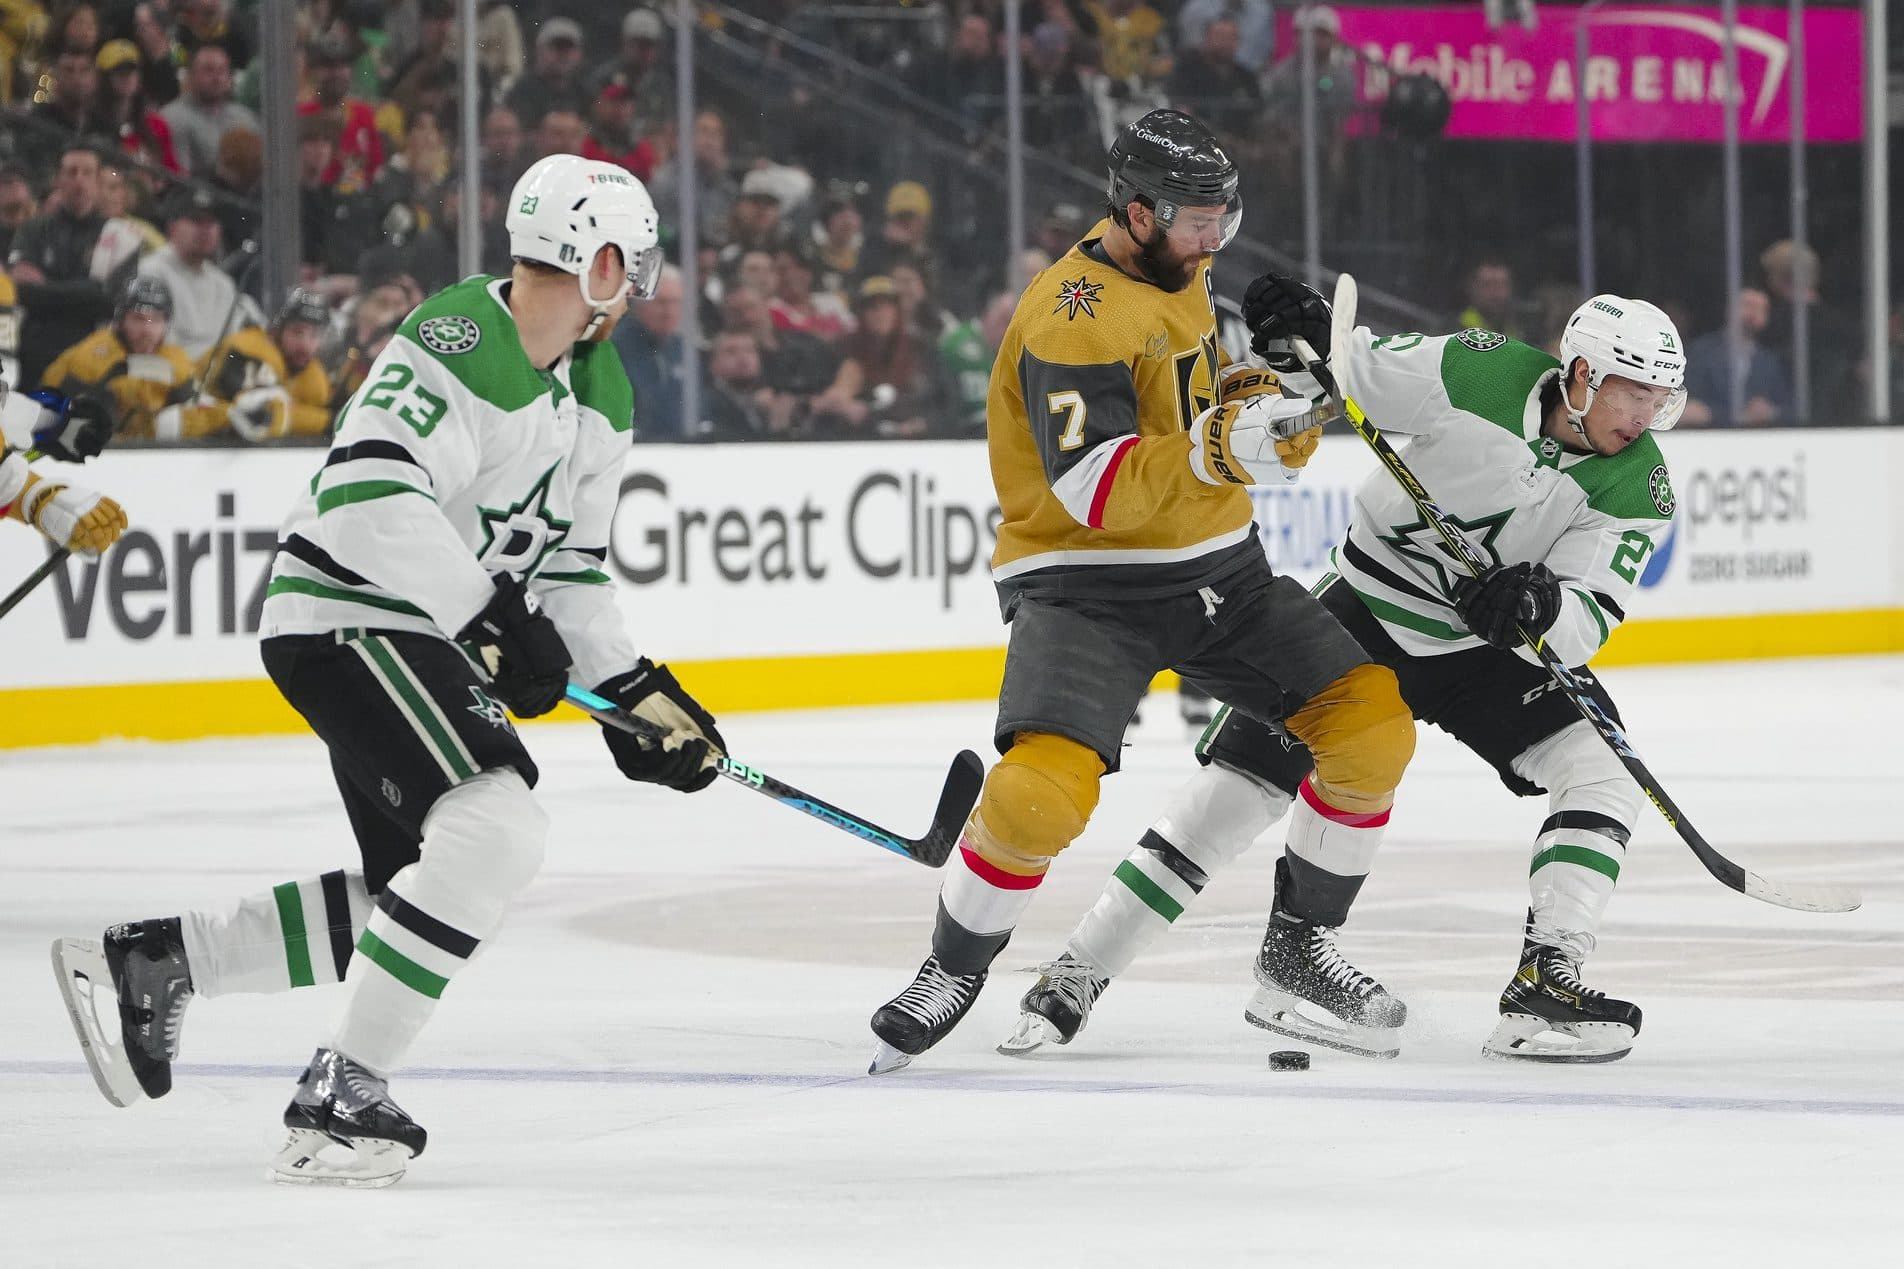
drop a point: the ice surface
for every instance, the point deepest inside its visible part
(659, 1061)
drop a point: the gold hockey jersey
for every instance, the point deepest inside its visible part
(247, 361)
(1097, 382)
(140, 385)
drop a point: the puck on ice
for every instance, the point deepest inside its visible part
(1288, 1060)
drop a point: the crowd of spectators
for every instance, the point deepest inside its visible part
(843, 289)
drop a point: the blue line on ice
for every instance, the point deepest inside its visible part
(1283, 1086)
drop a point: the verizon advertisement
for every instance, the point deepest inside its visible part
(762, 550)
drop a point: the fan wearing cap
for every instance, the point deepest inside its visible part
(133, 361)
(1126, 546)
(1550, 468)
(445, 567)
(553, 80)
(206, 302)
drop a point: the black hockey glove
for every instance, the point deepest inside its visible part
(650, 692)
(1506, 599)
(516, 642)
(1278, 308)
(71, 429)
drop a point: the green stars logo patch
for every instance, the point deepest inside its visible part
(1481, 340)
(449, 335)
(1661, 487)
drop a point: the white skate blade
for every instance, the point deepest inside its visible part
(1280, 1011)
(1032, 1032)
(311, 1158)
(887, 1059)
(85, 984)
(1522, 1037)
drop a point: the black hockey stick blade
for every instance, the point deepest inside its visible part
(1800, 898)
(33, 579)
(956, 799)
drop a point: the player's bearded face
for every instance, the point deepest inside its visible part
(1166, 265)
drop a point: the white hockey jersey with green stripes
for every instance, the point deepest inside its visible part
(1469, 406)
(458, 460)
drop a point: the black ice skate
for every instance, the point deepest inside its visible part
(1299, 965)
(126, 995)
(1549, 1015)
(1057, 1006)
(345, 1130)
(921, 1015)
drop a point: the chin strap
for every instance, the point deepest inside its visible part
(598, 307)
(1576, 419)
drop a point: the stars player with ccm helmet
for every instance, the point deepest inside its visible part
(1120, 448)
(459, 521)
(1550, 468)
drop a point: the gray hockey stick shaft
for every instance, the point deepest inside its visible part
(1802, 898)
(33, 579)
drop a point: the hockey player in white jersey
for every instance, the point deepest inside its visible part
(1549, 469)
(460, 520)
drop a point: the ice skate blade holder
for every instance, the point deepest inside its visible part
(1517, 1038)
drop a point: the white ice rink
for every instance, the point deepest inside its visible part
(660, 1060)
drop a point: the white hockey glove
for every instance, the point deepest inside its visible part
(1260, 440)
(260, 414)
(69, 515)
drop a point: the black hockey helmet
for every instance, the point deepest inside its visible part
(303, 306)
(1168, 161)
(149, 294)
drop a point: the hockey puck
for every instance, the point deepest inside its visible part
(1289, 1060)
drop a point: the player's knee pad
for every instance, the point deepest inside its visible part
(1361, 736)
(1217, 813)
(482, 843)
(1583, 775)
(1036, 801)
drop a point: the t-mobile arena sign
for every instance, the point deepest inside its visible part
(1654, 72)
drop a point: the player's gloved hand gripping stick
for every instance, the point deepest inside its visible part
(956, 799)
(1803, 898)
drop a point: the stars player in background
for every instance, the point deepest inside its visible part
(444, 563)
(1550, 468)
(1121, 448)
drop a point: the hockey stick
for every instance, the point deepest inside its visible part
(1803, 898)
(33, 579)
(956, 799)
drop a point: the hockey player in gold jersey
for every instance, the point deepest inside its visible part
(269, 385)
(1121, 443)
(131, 360)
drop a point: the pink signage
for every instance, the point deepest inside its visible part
(1654, 72)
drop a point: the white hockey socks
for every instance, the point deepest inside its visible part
(294, 935)
(1211, 819)
(1329, 853)
(979, 906)
(1582, 844)
(482, 843)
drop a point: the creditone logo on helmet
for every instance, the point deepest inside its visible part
(1481, 340)
(449, 335)
(1661, 487)
(1080, 296)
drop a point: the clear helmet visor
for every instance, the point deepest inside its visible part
(644, 273)
(1202, 230)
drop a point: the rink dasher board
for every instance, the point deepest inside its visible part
(798, 575)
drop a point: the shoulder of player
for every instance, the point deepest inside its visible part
(1485, 373)
(1081, 311)
(601, 384)
(462, 340)
(1633, 484)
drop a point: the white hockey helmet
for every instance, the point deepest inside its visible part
(566, 208)
(1629, 338)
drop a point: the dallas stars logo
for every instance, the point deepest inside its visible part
(488, 708)
(1547, 452)
(518, 538)
(1079, 296)
(1420, 543)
